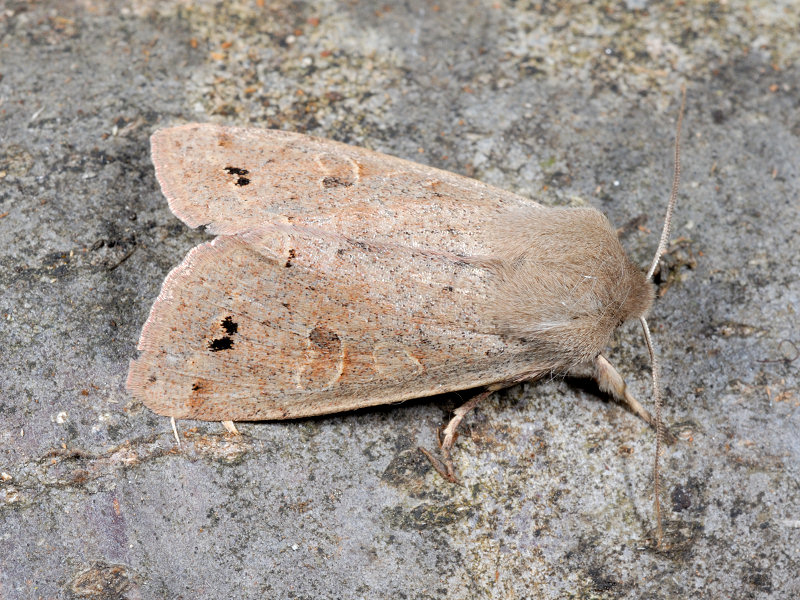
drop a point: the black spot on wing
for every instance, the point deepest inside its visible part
(235, 171)
(241, 180)
(224, 342)
(229, 325)
(292, 254)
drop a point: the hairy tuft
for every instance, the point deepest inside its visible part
(563, 283)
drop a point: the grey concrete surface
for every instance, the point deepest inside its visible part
(568, 103)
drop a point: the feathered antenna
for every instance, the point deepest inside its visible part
(662, 246)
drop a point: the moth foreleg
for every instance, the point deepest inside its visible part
(611, 382)
(230, 427)
(447, 438)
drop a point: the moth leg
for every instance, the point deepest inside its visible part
(175, 430)
(611, 382)
(230, 427)
(444, 466)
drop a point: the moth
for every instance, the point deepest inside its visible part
(342, 278)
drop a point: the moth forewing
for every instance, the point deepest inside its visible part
(303, 180)
(282, 322)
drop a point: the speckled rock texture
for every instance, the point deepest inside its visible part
(567, 103)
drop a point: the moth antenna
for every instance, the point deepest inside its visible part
(673, 198)
(654, 369)
(659, 430)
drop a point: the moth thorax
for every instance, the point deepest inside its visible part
(564, 283)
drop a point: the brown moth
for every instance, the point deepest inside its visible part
(343, 278)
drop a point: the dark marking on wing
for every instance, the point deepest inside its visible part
(331, 182)
(292, 254)
(240, 180)
(236, 171)
(324, 339)
(229, 325)
(225, 342)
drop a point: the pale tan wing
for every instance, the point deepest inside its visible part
(284, 322)
(231, 179)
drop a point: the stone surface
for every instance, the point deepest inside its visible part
(569, 103)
